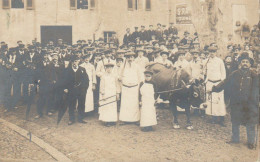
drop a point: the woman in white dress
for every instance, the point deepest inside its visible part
(109, 94)
(90, 69)
(147, 101)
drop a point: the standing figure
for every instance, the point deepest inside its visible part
(147, 101)
(130, 77)
(90, 69)
(215, 72)
(76, 83)
(244, 100)
(109, 94)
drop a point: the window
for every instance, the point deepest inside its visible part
(148, 5)
(92, 3)
(73, 4)
(82, 4)
(17, 3)
(130, 4)
(6, 4)
(108, 36)
(29, 4)
(136, 4)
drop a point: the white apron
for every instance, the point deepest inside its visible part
(129, 111)
(89, 103)
(148, 111)
(108, 113)
(218, 104)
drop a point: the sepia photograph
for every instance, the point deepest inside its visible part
(129, 80)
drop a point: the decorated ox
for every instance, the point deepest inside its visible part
(174, 85)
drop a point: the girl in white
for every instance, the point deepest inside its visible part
(109, 94)
(90, 69)
(147, 101)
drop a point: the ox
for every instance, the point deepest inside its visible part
(173, 85)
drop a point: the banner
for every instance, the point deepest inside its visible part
(183, 14)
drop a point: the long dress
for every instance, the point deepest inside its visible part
(108, 107)
(148, 111)
(129, 111)
(215, 74)
(89, 103)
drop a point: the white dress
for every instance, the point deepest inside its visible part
(108, 107)
(129, 111)
(148, 111)
(215, 72)
(90, 69)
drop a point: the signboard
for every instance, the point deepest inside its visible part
(183, 14)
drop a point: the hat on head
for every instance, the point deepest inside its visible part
(120, 51)
(12, 49)
(148, 72)
(150, 25)
(245, 55)
(136, 27)
(159, 24)
(142, 26)
(194, 51)
(119, 59)
(140, 48)
(163, 25)
(130, 53)
(74, 57)
(186, 32)
(109, 64)
(165, 53)
(212, 49)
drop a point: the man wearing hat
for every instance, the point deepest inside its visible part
(215, 73)
(127, 37)
(91, 72)
(12, 67)
(143, 34)
(141, 60)
(101, 64)
(172, 29)
(45, 79)
(187, 40)
(157, 56)
(165, 61)
(130, 78)
(159, 32)
(150, 32)
(196, 66)
(135, 34)
(244, 100)
(76, 83)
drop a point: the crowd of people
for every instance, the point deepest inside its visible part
(112, 78)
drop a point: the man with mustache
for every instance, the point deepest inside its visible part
(244, 99)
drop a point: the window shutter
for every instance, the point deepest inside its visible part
(148, 5)
(29, 4)
(73, 4)
(92, 4)
(130, 4)
(6, 4)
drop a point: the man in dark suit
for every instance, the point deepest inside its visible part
(172, 29)
(45, 79)
(127, 37)
(12, 67)
(75, 82)
(143, 34)
(135, 34)
(244, 99)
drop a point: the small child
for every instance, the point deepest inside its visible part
(109, 94)
(147, 101)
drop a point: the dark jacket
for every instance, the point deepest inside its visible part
(244, 96)
(77, 82)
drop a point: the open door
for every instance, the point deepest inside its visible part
(53, 33)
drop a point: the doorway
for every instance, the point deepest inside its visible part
(53, 33)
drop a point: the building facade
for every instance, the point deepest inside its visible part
(72, 20)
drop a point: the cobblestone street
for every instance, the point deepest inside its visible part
(15, 147)
(94, 142)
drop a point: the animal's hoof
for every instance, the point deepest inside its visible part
(176, 126)
(189, 127)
